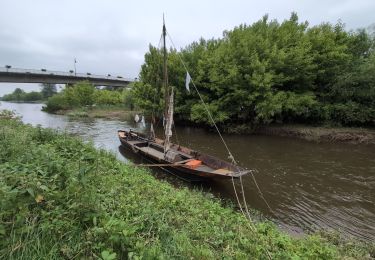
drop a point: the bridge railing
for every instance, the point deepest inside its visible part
(63, 73)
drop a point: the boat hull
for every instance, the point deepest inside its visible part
(211, 167)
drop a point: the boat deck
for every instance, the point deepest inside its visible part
(153, 152)
(160, 156)
(135, 142)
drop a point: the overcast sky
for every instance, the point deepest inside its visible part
(112, 36)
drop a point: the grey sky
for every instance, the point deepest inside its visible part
(112, 36)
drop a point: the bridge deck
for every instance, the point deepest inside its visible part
(59, 77)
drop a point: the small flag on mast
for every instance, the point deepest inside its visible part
(188, 79)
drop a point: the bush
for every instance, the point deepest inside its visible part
(82, 94)
(107, 97)
(20, 95)
(33, 96)
(128, 98)
(57, 102)
(351, 113)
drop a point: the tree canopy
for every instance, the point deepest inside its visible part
(48, 90)
(20, 95)
(269, 72)
(84, 94)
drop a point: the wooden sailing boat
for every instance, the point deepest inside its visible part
(172, 156)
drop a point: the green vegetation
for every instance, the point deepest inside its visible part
(48, 90)
(270, 72)
(85, 95)
(19, 95)
(62, 198)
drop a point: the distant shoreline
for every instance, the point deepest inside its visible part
(27, 102)
(321, 134)
(351, 135)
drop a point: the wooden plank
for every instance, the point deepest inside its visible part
(152, 152)
(159, 165)
(180, 163)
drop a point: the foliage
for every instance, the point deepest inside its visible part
(270, 72)
(62, 198)
(128, 99)
(84, 94)
(107, 97)
(56, 102)
(146, 97)
(81, 94)
(48, 90)
(20, 95)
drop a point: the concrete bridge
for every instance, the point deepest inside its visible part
(8, 74)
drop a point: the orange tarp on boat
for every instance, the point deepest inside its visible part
(194, 164)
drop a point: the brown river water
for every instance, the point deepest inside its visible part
(309, 186)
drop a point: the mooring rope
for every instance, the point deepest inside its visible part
(231, 157)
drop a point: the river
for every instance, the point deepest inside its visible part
(309, 186)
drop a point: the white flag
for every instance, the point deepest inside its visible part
(188, 79)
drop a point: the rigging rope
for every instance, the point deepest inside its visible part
(231, 157)
(153, 120)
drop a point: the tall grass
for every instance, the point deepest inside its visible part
(62, 198)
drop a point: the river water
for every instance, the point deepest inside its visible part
(308, 186)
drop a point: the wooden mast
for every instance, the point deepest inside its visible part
(165, 74)
(167, 102)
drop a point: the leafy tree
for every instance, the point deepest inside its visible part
(48, 90)
(147, 97)
(354, 93)
(269, 72)
(33, 96)
(57, 102)
(81, 94)
(107, 97)
(18, 94)
(128, 98)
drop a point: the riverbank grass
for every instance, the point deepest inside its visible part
(62, 198)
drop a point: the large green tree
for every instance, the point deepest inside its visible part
(269, 72)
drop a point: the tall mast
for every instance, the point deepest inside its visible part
(168, 110)
(165, 73)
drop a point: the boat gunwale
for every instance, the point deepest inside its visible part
(235, 171)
